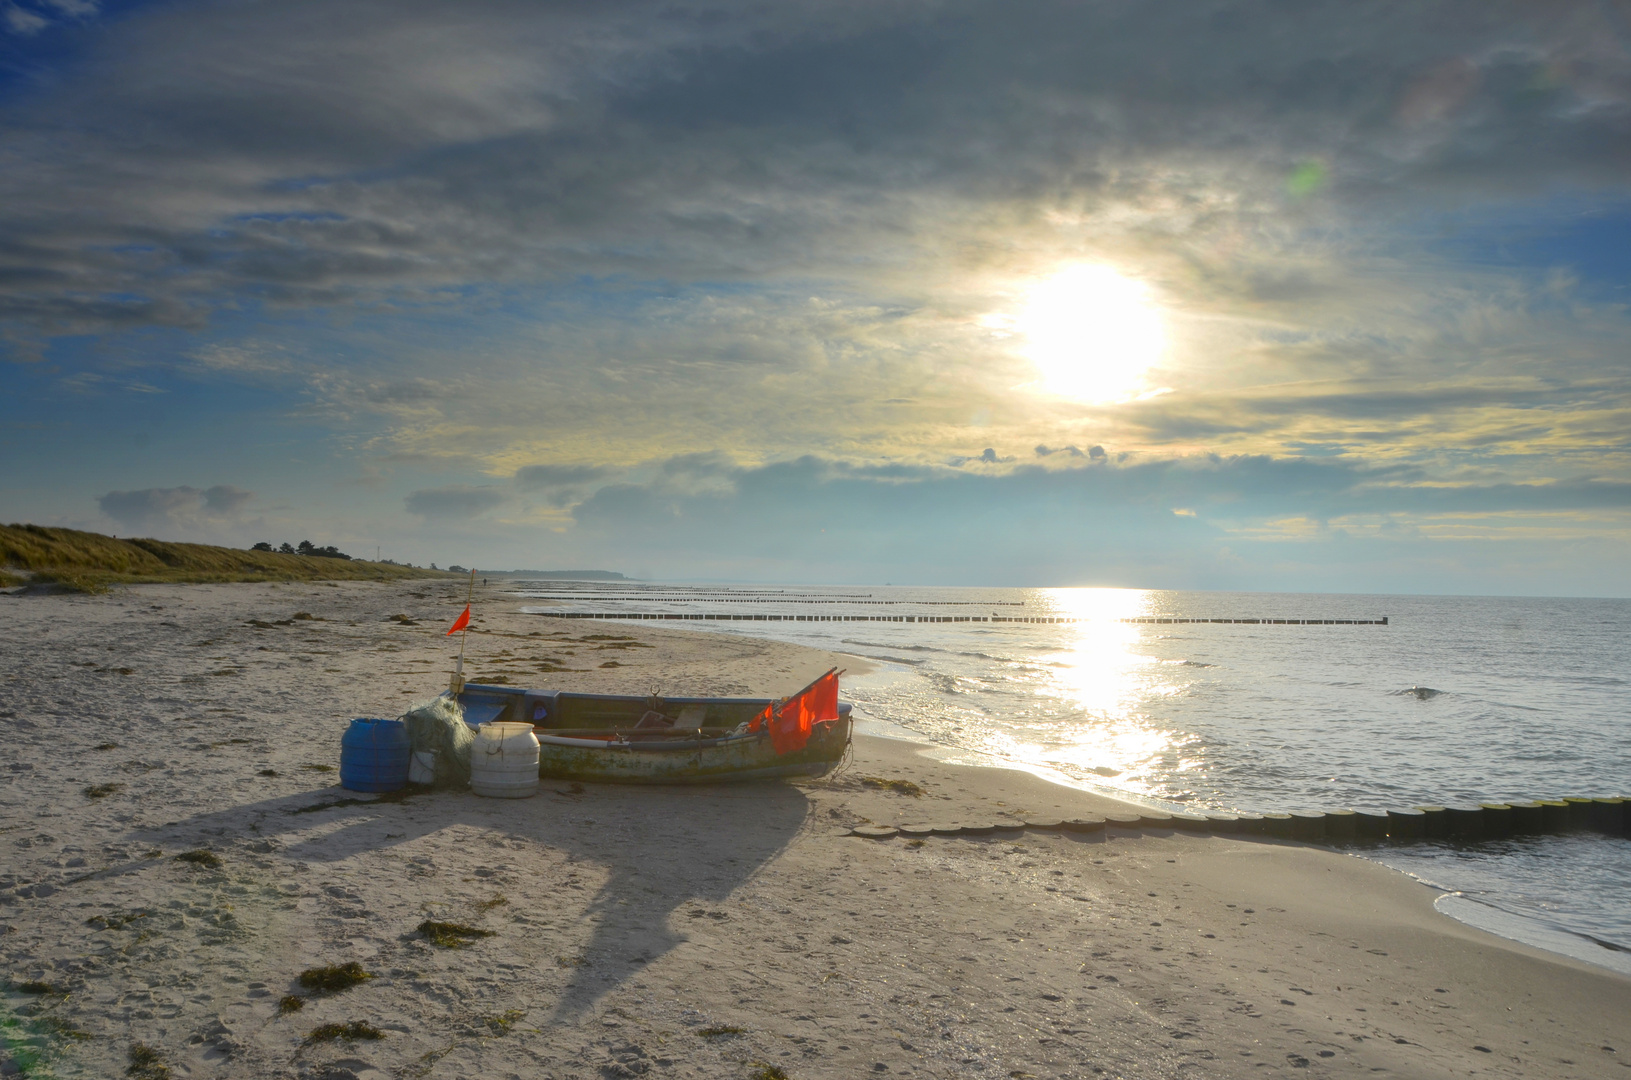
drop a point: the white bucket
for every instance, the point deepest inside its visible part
(422, 767)
(504, 761)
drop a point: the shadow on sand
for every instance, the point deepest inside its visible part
(661, 846)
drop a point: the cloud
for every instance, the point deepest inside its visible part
(519, 143)
(225, 500)
(24, 22)
(988, 456)
(405, 392)
(175, 510)
(589, 255)
(562, 485)
(546, 477)
(456, 501)
(140, 509)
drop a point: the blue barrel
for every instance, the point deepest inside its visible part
(374, 755)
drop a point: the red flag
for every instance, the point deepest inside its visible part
(758, 723)
(460, 623)
(790, 725)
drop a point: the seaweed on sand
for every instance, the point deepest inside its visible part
(356, 1029)
(333, 978)
(451, 935)
(62, 1029)
(502, 1023)
(899, 787)
(145, 1063)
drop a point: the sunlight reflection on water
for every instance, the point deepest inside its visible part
(1093, 718)
(1261, 717)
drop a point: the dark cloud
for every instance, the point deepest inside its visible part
(988, 456)
(168, 509)
(562, 485)
(456, 501)
(141, 509)
(545, 477)
(197, 154)
(224, 499)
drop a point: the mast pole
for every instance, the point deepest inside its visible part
(458, 671)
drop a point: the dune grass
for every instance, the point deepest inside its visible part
(90, 562)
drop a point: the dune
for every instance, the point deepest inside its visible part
(89, 562)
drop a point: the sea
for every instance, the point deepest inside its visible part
(1454, 699)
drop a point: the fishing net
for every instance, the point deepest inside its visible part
(438, 725)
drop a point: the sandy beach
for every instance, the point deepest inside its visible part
(731, 931)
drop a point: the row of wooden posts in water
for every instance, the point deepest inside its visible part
(1151, 619)
(1485, 821)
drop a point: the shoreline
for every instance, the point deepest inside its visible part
(671, 931)
(1474, 906)
(1479, 914)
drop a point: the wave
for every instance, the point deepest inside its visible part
(881, 645)
(893, 659)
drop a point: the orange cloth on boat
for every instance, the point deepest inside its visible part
(790, 725)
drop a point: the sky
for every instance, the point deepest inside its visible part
(1291, 296)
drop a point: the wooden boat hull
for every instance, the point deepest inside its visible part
(705, 761)
(587, 737)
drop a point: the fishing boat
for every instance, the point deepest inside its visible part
(626, 738)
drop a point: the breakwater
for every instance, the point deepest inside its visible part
(1047, 620)
(1405, 825)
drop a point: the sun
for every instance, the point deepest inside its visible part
(1092, 333)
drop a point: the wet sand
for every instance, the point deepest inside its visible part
(700, 932)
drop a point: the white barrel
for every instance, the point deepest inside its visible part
(504, 761)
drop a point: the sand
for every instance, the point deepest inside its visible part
(732, 931)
